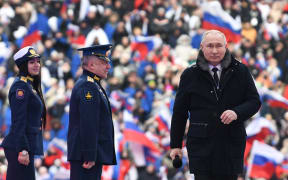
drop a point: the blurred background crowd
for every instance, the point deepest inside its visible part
(153, 42)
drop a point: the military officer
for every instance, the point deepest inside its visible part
(91, 132)
(28, 113)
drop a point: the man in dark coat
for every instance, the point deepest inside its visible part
(91, 132)
(217, 95)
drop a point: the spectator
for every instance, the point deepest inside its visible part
(64, 25)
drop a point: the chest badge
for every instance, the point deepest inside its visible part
(88, 96)
(20, 94)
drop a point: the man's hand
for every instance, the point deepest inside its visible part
(228, 116)
(88, 164)
(174, 152)
(23, 159)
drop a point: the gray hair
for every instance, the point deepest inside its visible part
(214, 32)
(85, 61)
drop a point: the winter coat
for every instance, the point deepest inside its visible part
(214, 147)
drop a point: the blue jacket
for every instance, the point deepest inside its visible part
(26, 110)
(91, 132)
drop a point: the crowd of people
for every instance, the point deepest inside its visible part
(141, 88)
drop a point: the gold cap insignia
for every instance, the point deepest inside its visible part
(32, 51)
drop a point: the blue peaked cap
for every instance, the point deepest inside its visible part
(101, 51)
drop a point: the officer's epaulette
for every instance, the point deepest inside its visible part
(96, 78)
(30, 78)
(22, 78)
(90, 79)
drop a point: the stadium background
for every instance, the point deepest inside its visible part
(154, 41)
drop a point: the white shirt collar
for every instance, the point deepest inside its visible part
(218, 67)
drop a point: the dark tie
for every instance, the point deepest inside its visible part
(215, 76)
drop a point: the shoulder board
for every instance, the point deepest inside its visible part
(90, 79)
(22, 78)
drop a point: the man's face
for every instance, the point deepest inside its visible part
(213, 48)
(101, 67)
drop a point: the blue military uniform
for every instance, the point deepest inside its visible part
(91, 132)
(26, 129)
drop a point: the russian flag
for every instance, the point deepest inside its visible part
(59, 144)
(84, 7)
(66, 4)
(214, 17)
(163, 118)
(162, 123)
(33, 35)
(128, 116)
(278, 103)
(152, 157)
(125, 165)
(274, 99)
(60, 148)
(128, 103)
(258, 129)
(132, 133)
(264, 160)
(282, 169)
(118, 100)
(144, 44)
(107, 172)
(141, 4)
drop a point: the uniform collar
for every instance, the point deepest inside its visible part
(92, 75)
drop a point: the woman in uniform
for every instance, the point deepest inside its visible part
(28, 114)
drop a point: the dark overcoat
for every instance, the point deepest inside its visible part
(91, 132)
(212, 146)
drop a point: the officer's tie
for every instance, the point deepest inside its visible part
(215, 76)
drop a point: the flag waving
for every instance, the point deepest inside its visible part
(214, 17)
(144, 44)
(33, 35)
(264, 159)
